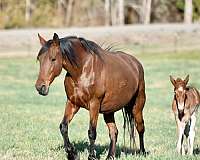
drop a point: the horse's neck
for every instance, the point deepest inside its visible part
(76, 70)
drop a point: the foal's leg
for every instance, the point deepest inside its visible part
(70, 111)
(181, 128)
(113, 132)
(137, 114)
(192, 134)
(94, 106)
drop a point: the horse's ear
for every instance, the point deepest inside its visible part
(42, 40)
(172, 80)
(56, 39)
(186, 79)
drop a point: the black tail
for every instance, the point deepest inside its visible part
(128, 123)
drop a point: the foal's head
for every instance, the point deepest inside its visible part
(180, 91)
(50, 59)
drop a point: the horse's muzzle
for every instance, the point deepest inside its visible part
(42, 90)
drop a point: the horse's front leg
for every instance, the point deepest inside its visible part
(70, 111)
(181, 128)
(94, 106)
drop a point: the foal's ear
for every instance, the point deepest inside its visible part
(186, 79)
(172, 80)
(56, 39)
(42, 40)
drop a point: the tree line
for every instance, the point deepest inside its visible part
(61, 13)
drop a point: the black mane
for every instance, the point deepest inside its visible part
(67, 48)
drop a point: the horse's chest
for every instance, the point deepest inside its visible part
(81, 92)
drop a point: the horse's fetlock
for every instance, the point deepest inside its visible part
(92, 134)
(116, 132)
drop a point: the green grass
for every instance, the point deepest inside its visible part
(29, 123)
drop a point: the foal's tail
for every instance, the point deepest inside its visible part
(128, 123)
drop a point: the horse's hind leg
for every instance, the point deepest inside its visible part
(113, 132)
(138, 116)
(70, 111)
(192, 134)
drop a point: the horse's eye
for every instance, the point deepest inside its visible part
(53, 59)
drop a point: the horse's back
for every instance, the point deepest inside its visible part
(193, 96)
(123, 74)
(125, 62)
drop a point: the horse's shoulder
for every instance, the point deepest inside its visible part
(174, 107)
(191, 90)
(193, 96)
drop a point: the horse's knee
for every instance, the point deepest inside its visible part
(63, 128)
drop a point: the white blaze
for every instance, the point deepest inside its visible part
(180, 105)
(180, 89)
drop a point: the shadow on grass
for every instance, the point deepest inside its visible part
(81, 146)
(196, 151)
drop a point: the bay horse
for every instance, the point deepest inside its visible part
(184, 105)
(98, 80)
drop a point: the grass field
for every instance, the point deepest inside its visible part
(29, 123)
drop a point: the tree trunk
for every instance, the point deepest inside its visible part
(188, 12)
(146, 11)
(62, 8)
(121, 12)
(28, 11)
(108, 16)
(69, 12)
(114, 16)
(65, 11)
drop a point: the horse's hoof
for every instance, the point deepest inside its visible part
(92, 157)
(73, 157)
(110, 158)
(143, 152)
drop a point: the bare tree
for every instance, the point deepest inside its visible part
(188, 12)
(108, 16)
(121, 12)
(114, 11)
(69, 12)
(65, 11)
(146, 11)
(1, 5)
(28, 11)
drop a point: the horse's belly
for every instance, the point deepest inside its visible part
(119, 91)
(114, 101)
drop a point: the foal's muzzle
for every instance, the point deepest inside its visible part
(42, 90)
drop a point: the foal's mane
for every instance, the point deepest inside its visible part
(67, 47)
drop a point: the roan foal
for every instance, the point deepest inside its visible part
(185, 104)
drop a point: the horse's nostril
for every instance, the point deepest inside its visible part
(43, 88)
(40, 88)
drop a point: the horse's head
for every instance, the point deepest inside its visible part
(180, 91)
(50, 59)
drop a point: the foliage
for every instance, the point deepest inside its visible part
(84, 13)
(45, 13)
(165, 11)
(13, 14)
(196, 8)
(29, 122)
